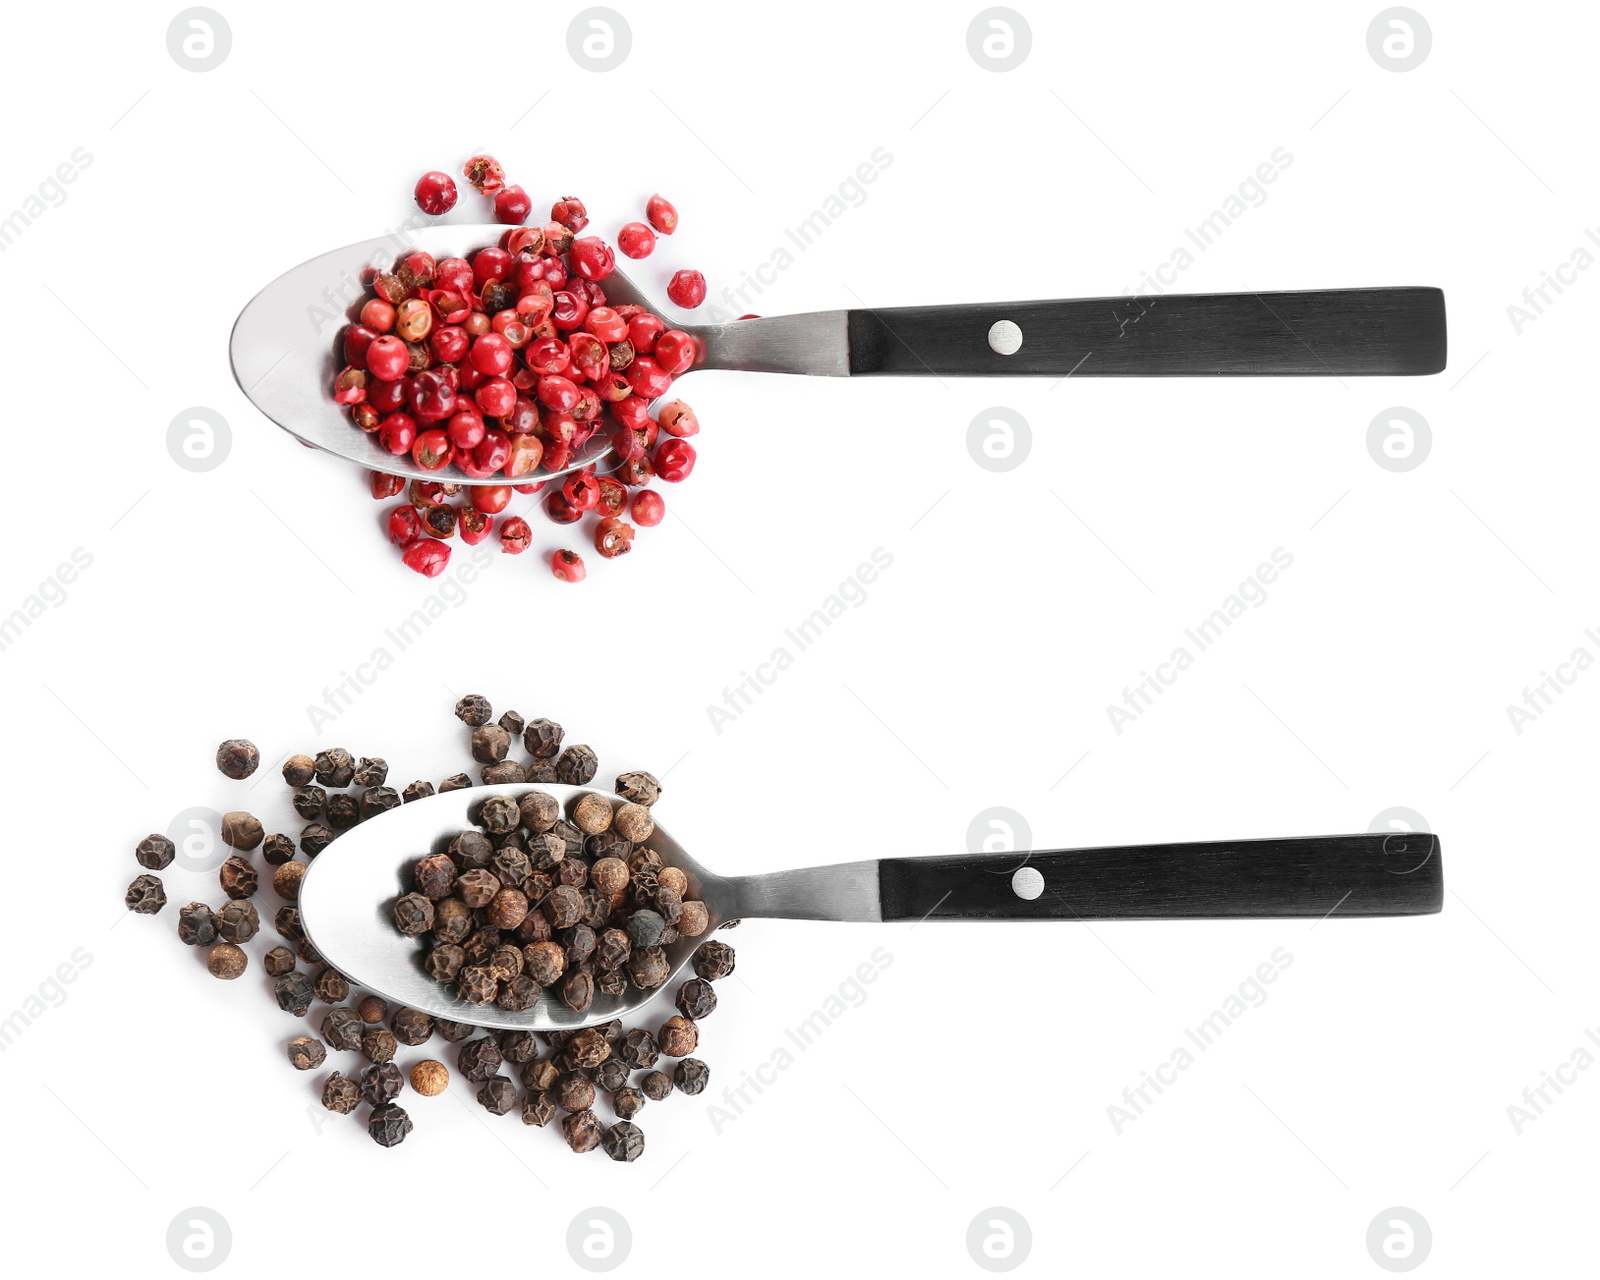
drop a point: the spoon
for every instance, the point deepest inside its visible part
(283, 343)
(348, 893)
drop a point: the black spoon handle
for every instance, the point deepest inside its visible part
(1382, 874)
(1322, 332)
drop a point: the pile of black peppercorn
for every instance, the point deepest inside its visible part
(596, 908)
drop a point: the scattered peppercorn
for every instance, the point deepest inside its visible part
(373, 1009)
(331, 986)
(576, 766)
(226, 961)
(197, 925)
(277, 849)
(389, 1124)
(656, 1085)
(498, 1095)
(691, 1076)
(381, 1083)
(299, 770)
(335, 767)
(306, 1052)
(474, 710)
(623, 1141)
(238, 921)
(155, 853)
(713, 960)
(341, 1094)
(294, 993)
(277, 962)
(286, 880)
(238, 758)
(696, 1000)
(678, 1037)
(583, 1131)
(639, 788)
(238, 877)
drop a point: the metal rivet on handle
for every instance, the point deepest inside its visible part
(1005, 339)
(1027, 883)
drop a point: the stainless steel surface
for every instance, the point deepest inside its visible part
(347, 899)
(284, 341)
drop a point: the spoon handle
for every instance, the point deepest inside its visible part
(1320, 333)
(1379, 874)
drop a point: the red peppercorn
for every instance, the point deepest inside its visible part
(425, 493)
(433, 398)
(492, 452)
(350, 387)
(397, 433)
(454, 274)
(491, 499)
(663, 217)
(432, 450)
(512, 206)
(387, 358)
(606, 324)
(648, 508)
(593, 259)
(633, 412)
(485, 174)
(377, 315)
(496, 397)
(385, 485)
(560, 510)
(435, 193)
(675, 352)
(525, 452)
(687, 289)
(557, 454)
(413, 320)
(568, 566)
(449, 343)
(474, 526)
(570, 213)
(636, 240)
(404, 525)
(613, 538)
(514, 535)
(511, 326)
(490, 264)
(556, 392)
(492, 354)
(357, 338)
(582, 491)
(647, 378)
(365, 416)
(628, 443)
(677, 419)
(636, 471)
(428, 556)
(613, 498)
(466, 428)
(643, 332)
(675, 460)
(589, 355)
(548, 356)
(570, 310)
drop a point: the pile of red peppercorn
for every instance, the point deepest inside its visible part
(576, 1067)
(511, 362)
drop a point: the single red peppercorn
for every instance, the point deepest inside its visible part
(613, 498)
(428, 556)
(432, 450)
(485, 174)
(677, 419)
(568, 566)
(385, 485)
(466, 428)
(647, 378)
(491, 453)
(633, 412)
(449, 343)
(649, 507)
(512, 206)
(675, 460)
(613, 538)
(582, 491)
(592, 258)
(397, 433)
(404, 525)
(560, 510)
(687, 289)
(491, 499)
(453, 274)
(548, 356)
(377, 315)
(496, 397)
(606, 324)
(514, 535)
(570, 213)
(675, 352)
(636, 240)
(525, 453)
(435, 193)
(492, 355)
(350, 387)
(474, 526)
(387, 358)
(663, 217)
(490, 264)
(556, 392)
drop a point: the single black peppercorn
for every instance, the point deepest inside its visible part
(471, 851)
(331, 986)
(341, 1028)
(576, 766)
(678, 1037)
(498, 1095)
(238, 920)
(299, 770)
(455, 782)
(490, 743)
(453, 1031)
(542, 738)
(574, 1092)
(237, 758)
(611, 1075)
(519, 994)
(479, 1059)
(612, 950)
(197, 925)
(294, 992)
(241, 830)
(226, 961)
(413, 914)
(645, 928)
(314, 838)
(155, 853)
(341, 1094)
(381, 1083)
(582, 1130)
(539, 1075)
(639, 788)
(577, 990)
(376, 800)
(564, 907)
(371, 771)
(335, 767)
(691, 1076)
(238, 877)
(627, 1102)
(713, 960)
(538, 1109)
(623, 1141)
(517, 1046)
(611, 984)
(287, 923)
(474, 710)
(372, 1010)
(342, 811)
(277, 849)
(452, 920)
(308, 953)
(306, 1052)
(278, 961)
(540, 812)
(411, 1026)
(696, 999)
(389, 1124)
(378, 1044)
(656, 1085)
(541, 770)
(309, 801)
(647, 969)
(416, 791)
(505, 962)
(286, 879)
(477, 985)
(511, 866)
(512, 723)
(638, 1049)
(499, 814)
(505, 773)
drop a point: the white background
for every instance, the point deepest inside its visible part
(979, 1069)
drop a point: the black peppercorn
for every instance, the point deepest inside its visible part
(413, 914)
(512, 723)
(574, 1092)
(389, 1124)
(238, 877)
(416, 791)
(341, 1028)
(197, 925)
(238, 920)
(455, 782)
(639, 788)
(540, 812)
(499, 814)
(540, 1075)
(576, 766)
(633, 822)
(341, 1094)
(294, 993)
(612, 950)
(638, 1049)
(471, 851)
(583, 1131)
(372, 771)
(306, 1052)
(519, 994)
(505, 962)
(611, 1075)
(678, 1037)
(453, 1031)
(511, 866)
(278, 961)
(713, 960)
(541, 770)
(479, 1059)
(623, 1141)
(655, 1085)
(376, 800)
(498, 1095)
(372, 1010)
(286, 879)
(226, 961)
(314, 838)
(308, 953)
(378, 1045)
(647, 968)
(645, 928)
(507, 772)
(577, 990)
(277, 849)
(335, 767)
(477, 985)
(627, 1102)
(611, 984)
(517, 1046)
(309, 801)
(538, 1109)
(237, 758)
(696, 999)
(342, 811)
(299, 770)
(381, 1083)
(579, 942)
(287, 923)
(542, 738)
(331, 986)
(155, 853)
(241, 830)
(490, 743)
(411, 1026)
(452, 920)
(564, 906)
(474, 710)
(691, 1076)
